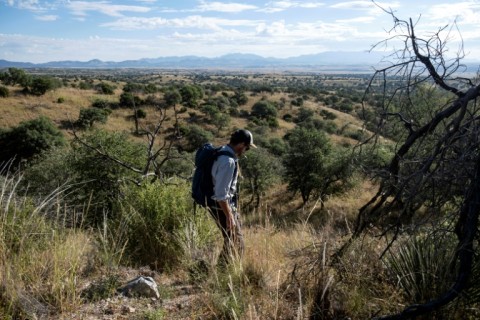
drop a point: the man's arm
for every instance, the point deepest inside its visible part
(228, 213)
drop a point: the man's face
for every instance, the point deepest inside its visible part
(242, 148)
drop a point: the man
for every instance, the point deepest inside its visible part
(224, 177)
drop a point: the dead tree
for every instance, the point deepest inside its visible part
(434, 174)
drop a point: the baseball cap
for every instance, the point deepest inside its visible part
(243, 135)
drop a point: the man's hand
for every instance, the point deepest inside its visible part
(228, 214)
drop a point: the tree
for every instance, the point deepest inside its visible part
(28, 139)
(15, 76)
(105, 88)
(314, 167)
(40, 85)
(172, 97)
(197, 136)
(260, 171)
(89, 116)
(264, 109)
(190, 95)
(436, 165)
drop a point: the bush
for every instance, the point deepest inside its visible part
(28, 139)
(105, 88)
(40, 85)
(101, 104)
(4, 92)
(61, 100)
(160, 224)
(197, 136)
(327, 115)
(264, 109)
(89, 116)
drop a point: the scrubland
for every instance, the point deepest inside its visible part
(74, 227)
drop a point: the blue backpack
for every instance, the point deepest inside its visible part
(202, 184)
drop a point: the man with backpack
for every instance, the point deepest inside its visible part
(215, 187)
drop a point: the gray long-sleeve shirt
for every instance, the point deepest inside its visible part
(223, 169)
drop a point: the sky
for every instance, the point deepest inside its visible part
(42, 31)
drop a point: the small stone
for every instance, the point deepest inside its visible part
(128, 309)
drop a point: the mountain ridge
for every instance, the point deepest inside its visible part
(232, 60)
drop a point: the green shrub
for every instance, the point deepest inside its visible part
(89, 116)
(61, 100)
(101, 104)
(40, 85)
(105, 88)
(4, 92)
(157, 218)
(29, 139)
(264, 109)
(197, 136)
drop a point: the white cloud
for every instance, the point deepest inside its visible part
(467, 12)
(224, 7)
(278, 6)
(364, 5)
(366, 19)
(198, 22)
(32, 5)
(80, 8)
(50, 17)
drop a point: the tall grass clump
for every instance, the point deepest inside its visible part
(425, 268)
(40, 259)
(158, 219)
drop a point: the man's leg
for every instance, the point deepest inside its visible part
(232, 240)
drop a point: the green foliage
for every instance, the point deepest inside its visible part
(29, 139)
(101, 178)
(88, 116)
(304, 114)
(140, 113)
(260, 170)
(156, 217)
(172, 97)
(423, 267)
(101, 104)
(197, 136)
(4, 92)
(85, 85)
(41, 84)
(60, 100)
(191, 94)
(327, 115)
(105, 88)
(313, 166)
(264, 109)
(15, 76)
(221, 120)
(129, 100)
(96, 179)
(240, 98)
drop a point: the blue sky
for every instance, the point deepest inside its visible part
(40, 31)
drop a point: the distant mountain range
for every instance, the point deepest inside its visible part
(335, 60)
(326, 61)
